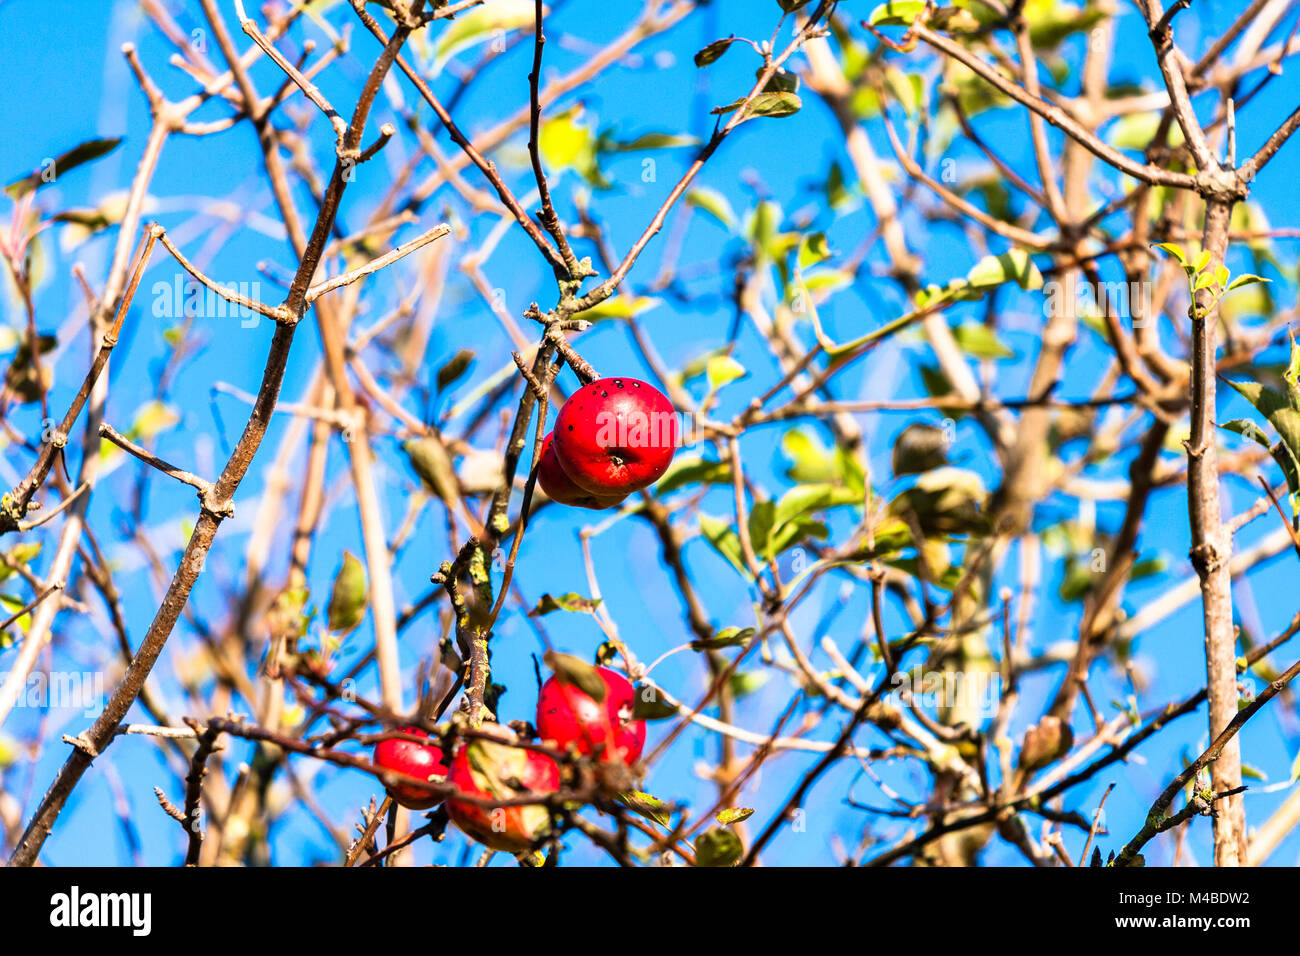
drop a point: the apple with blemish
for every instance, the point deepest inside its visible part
(487, 769)
(615, 436)
(569, 717)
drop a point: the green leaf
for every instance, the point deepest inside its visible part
(349, 596)
(10, 605)
(152, 420)
(1244, 280)
(691, 470)
(1274, 406)
(977, 339)
(650, 807)
(744, 683)
(762, 519)
(1136, 131)
(20, 555)
(808, 498)
(1284, 417)
(774, 104)
(717, 847)
(722, 369)
(714, 203)
(1175, 250)
(576, 672)
(713, 51)
(954, 20)
(811, 461)
(734, 815)
(792, 532)
(565, 602)
(479, 24)
(1051, 22)
(727, 637)
(79, 155)
(620, 307)
(896, 13)
(813, 250)
(1013, 266)
(782, 81)
(724, 539)
(565, 143)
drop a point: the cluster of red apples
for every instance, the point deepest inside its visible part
(613, 436)
(495, 766)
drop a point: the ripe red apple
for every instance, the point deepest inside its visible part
(615, 436)
(487, 768)
(567, 715)
(421, 761)
(556, 483)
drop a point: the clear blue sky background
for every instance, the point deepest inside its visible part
(65, 81)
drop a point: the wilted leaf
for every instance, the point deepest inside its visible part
(577, 673)
(648, 141)
(713, 51)
(430, 460)
(651, 705)
(457, 366)
(945, 501)
(727, 637)
(349, 596)
(80, 154)
(650, 807)
(717, 847)
(565, 602)
(919, 448)
(734, 815)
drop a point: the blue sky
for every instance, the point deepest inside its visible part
(66, 83)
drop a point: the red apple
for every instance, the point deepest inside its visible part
(422, 761)
(615, 436)
(567, 716)
(556, 483)
(487, 768)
